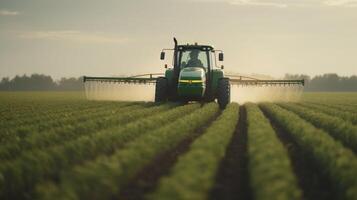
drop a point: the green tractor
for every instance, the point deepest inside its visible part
(193, 77)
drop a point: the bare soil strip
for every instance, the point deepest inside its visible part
(232, 179)
(310, 179)
(148, 178)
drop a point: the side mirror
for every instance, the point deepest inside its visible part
(162, 56)
(220, 56)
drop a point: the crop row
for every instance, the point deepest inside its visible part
(189, 179)
(337, 162)
(104, 177)
(340, 129)
(21, 175)
(56, 136)
(344, 107)
(80, 116)
(270, 169)
(352, 117)
(17, 106)
(38, 120)
(20, 132)
(36, 109)
(338, 98)
(339, 106)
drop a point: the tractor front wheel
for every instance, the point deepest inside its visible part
(223, 93)
(161, 89)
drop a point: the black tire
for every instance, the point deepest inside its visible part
(161, 90)
(224, 93)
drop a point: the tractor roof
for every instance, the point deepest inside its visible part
(195, 46)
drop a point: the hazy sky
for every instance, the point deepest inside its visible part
(112, 37)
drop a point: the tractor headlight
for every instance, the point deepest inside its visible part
(191, 81)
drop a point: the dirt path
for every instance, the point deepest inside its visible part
(232, 179)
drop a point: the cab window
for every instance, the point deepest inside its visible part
(194, 58)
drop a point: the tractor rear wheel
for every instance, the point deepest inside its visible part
(161, 89)
(223, 93)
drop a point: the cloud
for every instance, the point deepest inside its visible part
(288, 3)
(345, 3)
(274, 3)
(8, 13)
(74, 36)
(258, 3)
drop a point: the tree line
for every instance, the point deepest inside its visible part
(40, 82)
(327, 82)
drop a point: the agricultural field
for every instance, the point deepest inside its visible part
(58, 145)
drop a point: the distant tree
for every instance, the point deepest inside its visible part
(5, 84)
(333, 83)
(33, 82)
(327, 82)
(351, 84)
(298, 76)
(70, 84)
(39, 82)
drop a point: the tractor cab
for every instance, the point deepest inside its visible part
(194, 56)
(194, 76)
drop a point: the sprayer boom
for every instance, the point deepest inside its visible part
(137, 79)
(151, 79)
(249, 81)
(267, 82)
(194, 76)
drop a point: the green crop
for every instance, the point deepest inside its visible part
(71, 130)
(339, 163)
(193, 175)
(59, 145)
(345, 115)
(52, 161)
(103, 177)
(338, 128)
(270, 169)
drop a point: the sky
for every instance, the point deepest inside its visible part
(70, 38)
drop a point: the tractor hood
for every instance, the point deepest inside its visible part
(194, 74)
(192, 83)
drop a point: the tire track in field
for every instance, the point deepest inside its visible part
(232, 179)
(310, 179)
(148, 178)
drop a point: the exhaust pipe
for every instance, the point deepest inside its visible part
(175, 41)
